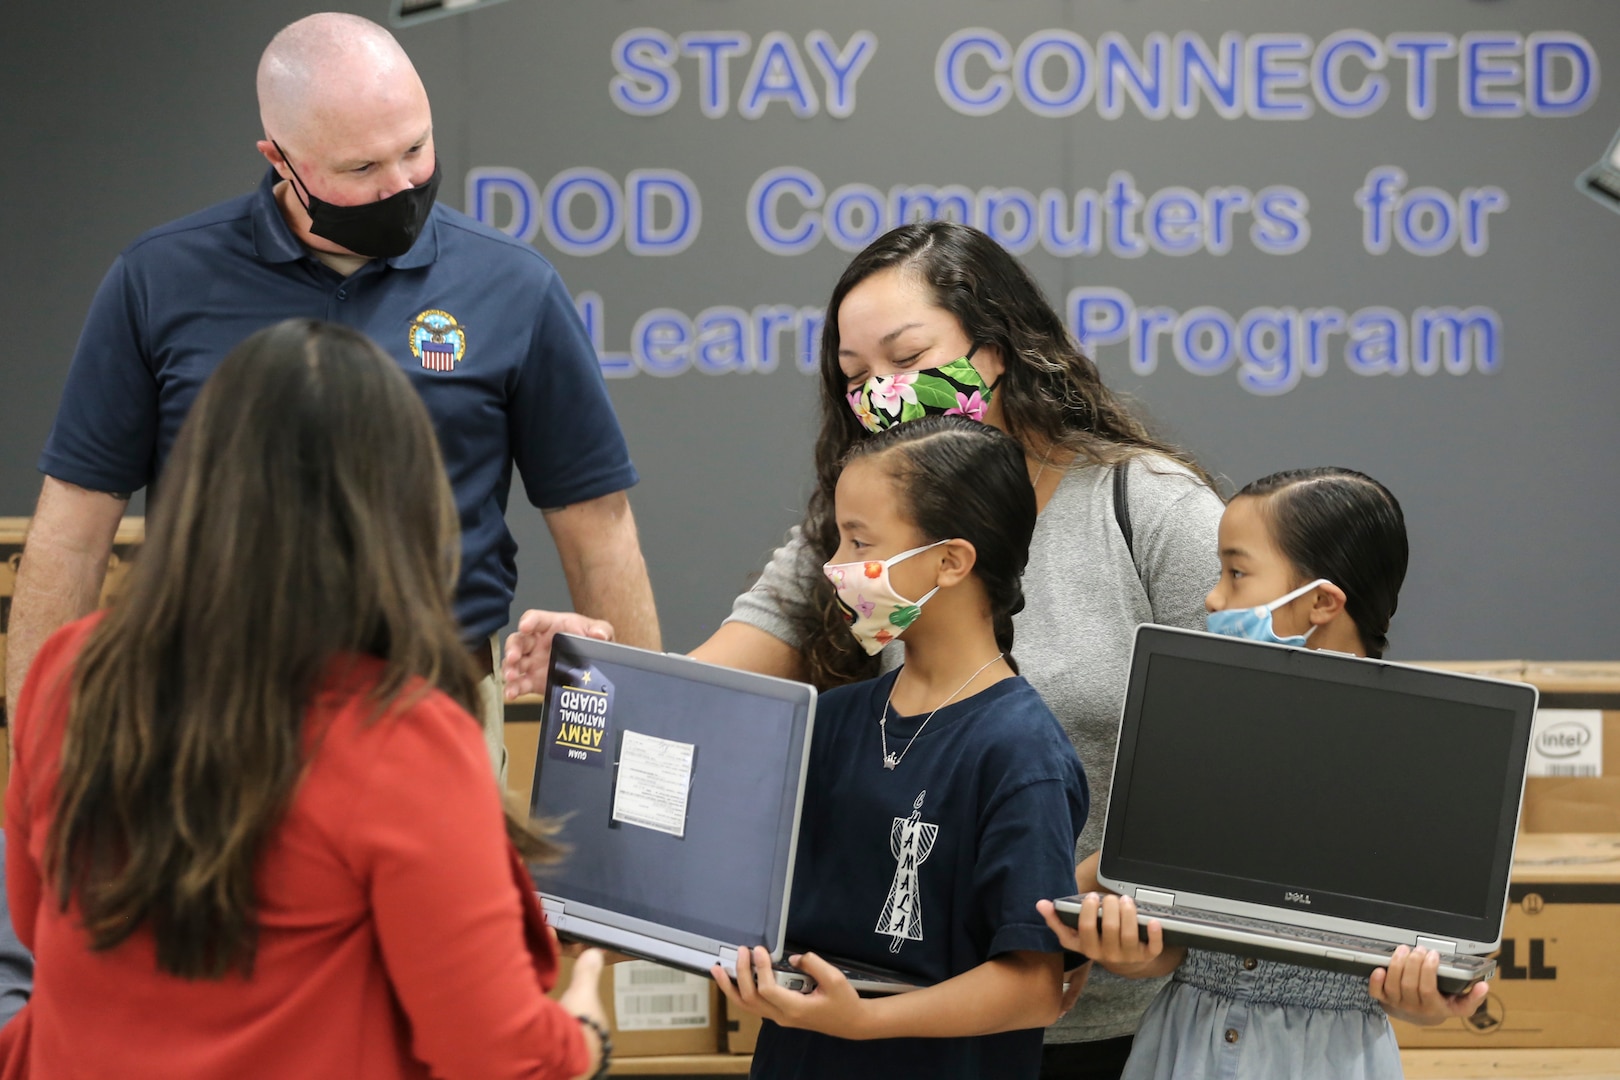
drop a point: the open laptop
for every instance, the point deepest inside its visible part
(1314, 807)
(679, 784)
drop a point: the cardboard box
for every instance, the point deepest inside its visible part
(1573, 784)
(1493, 669)
(522, 741)
(742, 1031)
(1576, 750)
(1507, 1064)
(657, 1011)
(1557, 982)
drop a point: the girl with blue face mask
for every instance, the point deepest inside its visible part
(1312, 558)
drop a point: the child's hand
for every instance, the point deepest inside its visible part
(833, 1008)
(1409, 989)
(1116, 944)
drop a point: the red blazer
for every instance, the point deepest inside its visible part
(399, 933)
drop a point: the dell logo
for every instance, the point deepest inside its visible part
(1298, 898)
(1508, 966)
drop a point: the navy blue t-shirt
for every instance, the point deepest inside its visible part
(930, 869)
(481, 324)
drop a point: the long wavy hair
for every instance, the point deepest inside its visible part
(304, 520)
(1052, 399)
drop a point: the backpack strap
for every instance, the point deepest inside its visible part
(1122, 509)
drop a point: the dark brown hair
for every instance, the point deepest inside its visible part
(1345, 527)
(958, 479)
(1052, 398)
(304, 518)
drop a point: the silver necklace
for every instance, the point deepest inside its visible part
(890, 761)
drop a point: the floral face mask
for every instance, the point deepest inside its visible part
(875, 612)
(953, 389)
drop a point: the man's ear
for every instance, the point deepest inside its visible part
(956, 561)
(1329, 601)
(273, 156)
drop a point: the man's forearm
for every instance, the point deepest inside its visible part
(614, 586)
(53, 588)
(59, 578)
(607, 575)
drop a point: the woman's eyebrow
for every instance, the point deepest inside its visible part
(892, 334)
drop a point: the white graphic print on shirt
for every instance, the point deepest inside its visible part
(910, 840)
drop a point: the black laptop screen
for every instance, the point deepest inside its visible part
(1353, 790)
(722, 877)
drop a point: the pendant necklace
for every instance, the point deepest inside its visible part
(890, 761)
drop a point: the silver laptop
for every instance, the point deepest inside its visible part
(1314, 807)
(679, 784)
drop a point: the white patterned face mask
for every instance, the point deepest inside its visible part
(875, 612)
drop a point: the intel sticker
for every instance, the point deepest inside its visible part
(1567, 742)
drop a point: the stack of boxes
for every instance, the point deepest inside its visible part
(1557, 983)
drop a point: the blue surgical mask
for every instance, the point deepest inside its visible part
(1254, 623)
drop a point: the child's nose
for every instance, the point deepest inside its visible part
(1212, 599)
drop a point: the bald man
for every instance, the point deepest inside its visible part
(344, 227)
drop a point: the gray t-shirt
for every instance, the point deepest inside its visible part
(1083, 599)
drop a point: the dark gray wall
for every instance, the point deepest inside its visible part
(119, 117)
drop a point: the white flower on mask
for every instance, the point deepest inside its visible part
(890, 390)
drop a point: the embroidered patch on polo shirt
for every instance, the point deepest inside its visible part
(438, 340)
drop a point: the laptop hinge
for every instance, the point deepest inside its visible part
(1439, 945)
(1154, 896)
(727, 958)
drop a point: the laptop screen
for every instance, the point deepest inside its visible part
(678, 784)
(1315, 782)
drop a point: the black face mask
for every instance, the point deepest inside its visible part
(377, 230)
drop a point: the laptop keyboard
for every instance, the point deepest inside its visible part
(1216, 920)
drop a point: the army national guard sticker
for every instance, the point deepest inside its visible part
(438, 340)
(581, 709)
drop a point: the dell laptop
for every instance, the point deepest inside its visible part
(678, 784)
(1314, 807)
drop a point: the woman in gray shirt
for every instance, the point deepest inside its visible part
(937, 318)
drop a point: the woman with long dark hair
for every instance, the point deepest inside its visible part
(940, 313)
(937, 318)
(251, 825)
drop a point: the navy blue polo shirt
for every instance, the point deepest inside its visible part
(480, 323)
(932, 868)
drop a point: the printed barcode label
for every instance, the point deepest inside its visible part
(642, 1004)
(653, 974)
(1567, 743)
(1569, 770)
(649, 997)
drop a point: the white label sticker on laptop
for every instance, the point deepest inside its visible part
(649, 997)
(655, 776)
(1567, 742)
